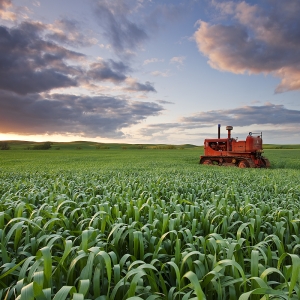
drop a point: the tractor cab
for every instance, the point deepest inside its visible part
(230, 151)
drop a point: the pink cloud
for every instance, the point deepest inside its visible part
(5, 14)
(255, 40)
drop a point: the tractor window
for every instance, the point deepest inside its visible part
(213, 145)
(222, 146)
(217, 146)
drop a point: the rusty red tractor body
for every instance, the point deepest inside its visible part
(231, 152)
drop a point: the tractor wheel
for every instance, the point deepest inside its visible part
(266, 162)
(243, 164)
(207, 162)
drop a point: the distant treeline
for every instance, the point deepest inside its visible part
(44, 146)
(84, 145)
(4, 146)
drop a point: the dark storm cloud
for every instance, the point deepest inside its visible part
(243, 116)
(114, 18)
(248, 115)
(29, 64)
(115, 72)
(262, 38)
(81, 115)
(108, 70)
(141, 87)
(33, 62)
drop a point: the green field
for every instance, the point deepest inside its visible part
(129, 223)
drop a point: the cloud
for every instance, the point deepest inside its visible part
(164, 102)
(5, 14)
(177, 60)
(127, 25)
(152, 60)
(5, 4)
(265, 115)
(116, 72)
(170, 128)
(115, 19)
(256, 39)
(135, 86)
(160, 73)
(68, 32)
(247, 115)
(98, 116)
(108, 70)
(29, 64)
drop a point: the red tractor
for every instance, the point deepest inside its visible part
(231, 152)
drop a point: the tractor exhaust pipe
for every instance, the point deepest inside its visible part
(219, 131)
(229, 128)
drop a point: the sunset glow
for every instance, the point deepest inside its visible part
(141, 71)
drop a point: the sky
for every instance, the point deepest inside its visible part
(149, 71)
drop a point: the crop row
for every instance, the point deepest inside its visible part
(176, 235)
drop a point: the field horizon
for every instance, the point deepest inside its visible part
(89, 145)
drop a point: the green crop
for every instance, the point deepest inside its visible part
(146, 224)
